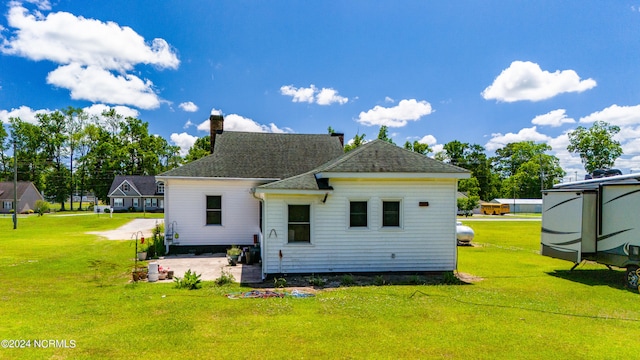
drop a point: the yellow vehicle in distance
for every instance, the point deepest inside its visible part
(494, 209)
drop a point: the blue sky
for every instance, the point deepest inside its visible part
(483, 72)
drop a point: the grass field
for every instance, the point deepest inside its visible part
(56, 283)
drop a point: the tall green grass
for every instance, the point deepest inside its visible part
(58, 283)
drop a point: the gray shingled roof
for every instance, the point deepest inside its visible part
(6, 189)
(373, 157)
(379, 156)
(146, 185)
(262, 156)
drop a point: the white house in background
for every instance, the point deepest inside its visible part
(377, 208)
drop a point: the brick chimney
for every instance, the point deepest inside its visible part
(340, 136)
(215, 127)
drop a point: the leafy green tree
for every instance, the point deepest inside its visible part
(383, 134)
(474, 159)
(5, 169)
(199, 149)
(55, 141)
(595, 145)
(420, 148)
(357, 141)
(525, 169)
(29, 155)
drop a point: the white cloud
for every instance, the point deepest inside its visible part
(188, 124)
(25, 114)
(397, 116)
(64, 38)
(90, 52)
(215, 111)
(437, 148)
(99, 85)
(184, 141)
(97, 109)
(615, 115)
(389, 100)
(325, 96)
(330, 96)
(553, 118)
(527, 134)
(524, 80)
(236, 122)
(299, 94)
(429, 140)
(188, 106)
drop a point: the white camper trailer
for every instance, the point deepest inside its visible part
(597, 220)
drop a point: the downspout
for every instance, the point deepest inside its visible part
(263, 244)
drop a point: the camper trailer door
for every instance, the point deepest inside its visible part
(562, 224)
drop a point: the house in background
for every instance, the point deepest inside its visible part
(136, 193)
(313, 208)
(27, 192)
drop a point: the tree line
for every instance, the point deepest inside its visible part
(519, 170)
(69, 151)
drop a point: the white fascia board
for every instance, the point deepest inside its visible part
(391, 175)
(291, 191)
(159, 177)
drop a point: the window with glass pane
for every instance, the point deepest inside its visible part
(390, 213)
(358, 214)
(214, 210)
(300, 223)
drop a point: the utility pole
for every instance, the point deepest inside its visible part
(15, 185)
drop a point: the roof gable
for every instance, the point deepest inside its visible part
(262, 156)
(6, 189)
(379, 156)
(376, 157)
(143, 185)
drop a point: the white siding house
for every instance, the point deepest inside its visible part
(186, 205)
(316, 209)
(423, 241)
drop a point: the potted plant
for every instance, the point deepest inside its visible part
(233, 254)
(142, 252)
(140, 273)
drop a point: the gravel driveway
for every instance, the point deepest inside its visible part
(127, 231)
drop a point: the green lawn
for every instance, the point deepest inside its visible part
(58, 283)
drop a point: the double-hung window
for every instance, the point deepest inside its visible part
(214, 210)
(358, 214)
(391, 213)
(118, 202)
(299, 223)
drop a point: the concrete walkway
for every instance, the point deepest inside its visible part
(210, 267)
(127, 231)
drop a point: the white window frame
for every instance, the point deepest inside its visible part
(154, 202)
(126, 187)
(118, 200)
(7, 204)
(311, 222)
(136, 203)
(160, 188)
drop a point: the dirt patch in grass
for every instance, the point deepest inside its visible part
(329, 281)
(468, 278)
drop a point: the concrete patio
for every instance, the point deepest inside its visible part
(210, 266)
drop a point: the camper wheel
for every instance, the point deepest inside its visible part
(632, 277)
